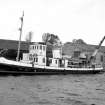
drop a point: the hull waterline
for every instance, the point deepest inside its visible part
(23, 70)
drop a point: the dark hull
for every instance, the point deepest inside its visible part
(22, 70)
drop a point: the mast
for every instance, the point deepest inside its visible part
(20, 29)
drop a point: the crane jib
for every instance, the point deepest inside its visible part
(101, 42)
(97, 49)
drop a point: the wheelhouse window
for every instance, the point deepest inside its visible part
(32, 47)
(44, 48)
(56, 61)
(40, 47)
(37, 46)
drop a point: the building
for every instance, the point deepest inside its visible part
(83, 51)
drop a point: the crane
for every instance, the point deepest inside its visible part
(96, 50)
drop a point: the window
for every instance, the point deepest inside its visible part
(37, 47)
(101, 58)
(30, 47)
(77, 53)
(43, 60)
(56, 61)
(33, 47)
(30, 57)
(41, 47)
(36, 59)
(44, 48)
(50, 60)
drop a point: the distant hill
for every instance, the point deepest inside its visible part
(8, 48)
(12, 44)
(69, 48)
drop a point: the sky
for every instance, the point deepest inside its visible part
(69, 19)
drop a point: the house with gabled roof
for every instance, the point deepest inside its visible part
(83, 50)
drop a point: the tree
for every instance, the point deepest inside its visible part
(46, 37)
(50, 39)
(78, 41)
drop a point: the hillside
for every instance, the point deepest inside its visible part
(69, 48)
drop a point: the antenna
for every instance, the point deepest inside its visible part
(20, 29)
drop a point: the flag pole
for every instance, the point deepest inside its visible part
(20, 29)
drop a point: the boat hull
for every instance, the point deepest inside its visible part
(23, 70)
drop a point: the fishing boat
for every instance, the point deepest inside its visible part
(14, 67)
(37, 62)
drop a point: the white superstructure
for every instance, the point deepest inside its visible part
(36, 55)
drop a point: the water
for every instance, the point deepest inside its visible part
(53, 90)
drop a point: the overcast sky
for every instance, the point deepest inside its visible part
(69, 19)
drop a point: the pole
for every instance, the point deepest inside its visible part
(20, 29)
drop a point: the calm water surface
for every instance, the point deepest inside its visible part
(53, 90)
